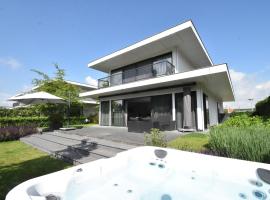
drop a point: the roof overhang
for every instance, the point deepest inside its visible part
(89, 102)
(215, 79)
(183, 36)
(82, 85)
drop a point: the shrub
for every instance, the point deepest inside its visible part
(155, 138)
(94, 118)
(15, 132)
(75, 120)
(247, 143)
(244, 120)
(263, 107)
(55, 121)
(248, 113)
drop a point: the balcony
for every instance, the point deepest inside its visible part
(162, 68)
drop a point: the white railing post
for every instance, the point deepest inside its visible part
(173, 106)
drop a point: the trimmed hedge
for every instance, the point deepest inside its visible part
(24, 121)
(37, 121)
(33, 111)
(247, 143)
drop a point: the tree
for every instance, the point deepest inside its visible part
(59, 87)
(56, 85)
(263, 108)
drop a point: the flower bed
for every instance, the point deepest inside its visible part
(15, 132)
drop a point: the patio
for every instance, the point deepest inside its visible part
(117, 134)
(89, 143)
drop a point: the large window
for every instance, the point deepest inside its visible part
(118, 114)
(139, 109)
(149, 68)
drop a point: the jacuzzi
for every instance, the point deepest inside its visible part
(151, 173)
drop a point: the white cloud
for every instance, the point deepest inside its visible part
(10, 62)
(248, 89)
(237, 76)
(4, 96)
(91, 81)
(3, 100)
(264, 86)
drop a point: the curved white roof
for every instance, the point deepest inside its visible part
(183, 36)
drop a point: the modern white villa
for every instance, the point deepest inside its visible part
(167, 81)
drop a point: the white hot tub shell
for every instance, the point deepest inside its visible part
(152, 173)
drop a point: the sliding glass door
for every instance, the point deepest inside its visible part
(105, 108)
(118, 113)
(162, 112)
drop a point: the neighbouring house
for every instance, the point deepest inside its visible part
(167, 81)
(88, 104)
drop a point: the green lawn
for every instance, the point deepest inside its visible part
(196, 142)
(20, 162)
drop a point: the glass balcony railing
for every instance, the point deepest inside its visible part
(162, 68)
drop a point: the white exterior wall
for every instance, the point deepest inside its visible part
(221, 108)
(180, 62)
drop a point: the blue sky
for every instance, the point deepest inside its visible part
(36, 34)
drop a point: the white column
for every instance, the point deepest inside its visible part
(99, 113)
(173, 106)
(200, 115)
(110, 112)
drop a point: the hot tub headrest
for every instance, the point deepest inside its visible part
(160, 153)
(264, 174)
